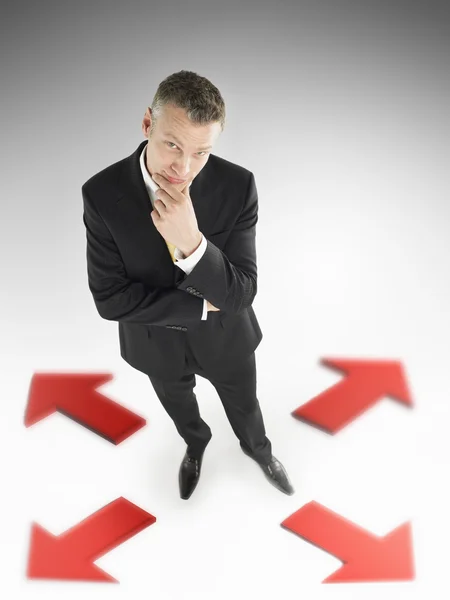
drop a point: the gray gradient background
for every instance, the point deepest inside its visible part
(341, 111)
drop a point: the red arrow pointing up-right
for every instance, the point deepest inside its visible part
(366, 557)
(366, 383)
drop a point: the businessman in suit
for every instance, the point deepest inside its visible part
(171, 257)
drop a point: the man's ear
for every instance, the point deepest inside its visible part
(147, 116)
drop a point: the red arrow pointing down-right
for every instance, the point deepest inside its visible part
(366, 557)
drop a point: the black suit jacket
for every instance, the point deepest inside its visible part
(133, 280)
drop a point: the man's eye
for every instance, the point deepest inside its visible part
(171, 145)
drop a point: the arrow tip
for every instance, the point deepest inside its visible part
(50, 557)
(385, 559)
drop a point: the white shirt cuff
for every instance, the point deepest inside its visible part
(205, 310)
(188, 263)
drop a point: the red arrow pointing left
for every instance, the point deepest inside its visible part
(75, 395)
(366, 557)
(71, 555)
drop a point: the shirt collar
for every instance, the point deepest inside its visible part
(149, 183)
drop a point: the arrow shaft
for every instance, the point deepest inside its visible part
(99, 413)
(107, 528)
(329, 531)
(339, 405)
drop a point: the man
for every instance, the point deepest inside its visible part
(171, 257)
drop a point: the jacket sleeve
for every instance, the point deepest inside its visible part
(228, 279)
(116, 297)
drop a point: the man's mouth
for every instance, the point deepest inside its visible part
(173, 180)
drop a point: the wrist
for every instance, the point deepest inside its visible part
(193, 247)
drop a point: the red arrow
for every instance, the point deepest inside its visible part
(71, 555)
(366, 383)
(75, 395)
(366, 557)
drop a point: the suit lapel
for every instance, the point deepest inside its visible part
(134, 207)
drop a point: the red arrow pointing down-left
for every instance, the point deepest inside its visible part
(71, 555)
(75, 395)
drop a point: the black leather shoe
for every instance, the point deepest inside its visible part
(189, 475)
(276, 474)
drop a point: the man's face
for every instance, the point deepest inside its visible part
(176, 147)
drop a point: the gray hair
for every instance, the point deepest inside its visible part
(201, 100)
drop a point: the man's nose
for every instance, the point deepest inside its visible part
(182, 169)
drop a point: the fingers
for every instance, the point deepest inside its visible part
(163, 196)
(160, 207)
(167, 188)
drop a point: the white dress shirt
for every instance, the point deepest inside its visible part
(188, 263)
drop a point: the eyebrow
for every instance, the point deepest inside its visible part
(179, 143)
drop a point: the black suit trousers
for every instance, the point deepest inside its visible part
(235, 384)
